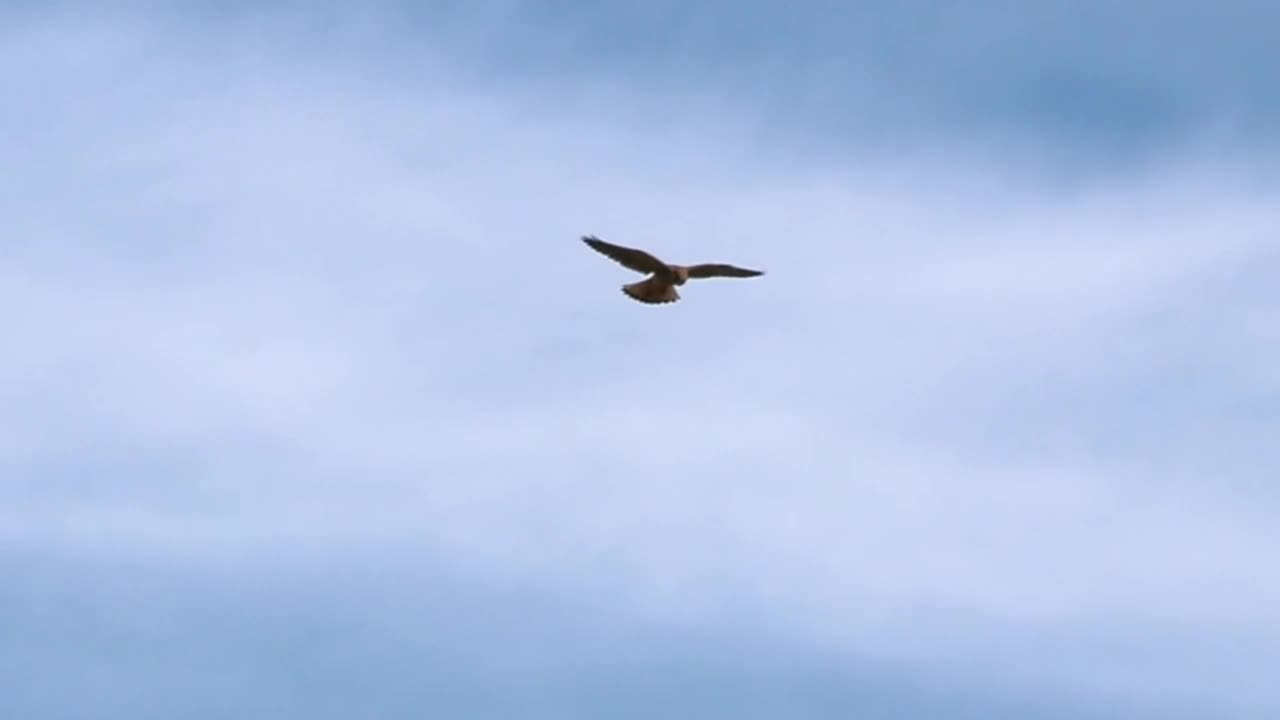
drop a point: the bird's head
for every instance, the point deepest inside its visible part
(679, 275)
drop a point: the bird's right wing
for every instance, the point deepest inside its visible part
(710, 270)
(630, 258)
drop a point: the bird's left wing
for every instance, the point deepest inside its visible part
(630, 258)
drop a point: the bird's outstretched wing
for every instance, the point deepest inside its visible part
(630, 258)
(710, 270)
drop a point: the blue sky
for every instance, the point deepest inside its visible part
(314, 405)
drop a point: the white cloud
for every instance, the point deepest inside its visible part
(251, 305)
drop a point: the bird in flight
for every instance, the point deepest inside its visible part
(660, 286)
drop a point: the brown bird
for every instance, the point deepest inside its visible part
(660, 287)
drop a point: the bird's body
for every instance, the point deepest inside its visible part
(660, 287)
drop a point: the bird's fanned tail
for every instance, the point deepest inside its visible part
(652, 291)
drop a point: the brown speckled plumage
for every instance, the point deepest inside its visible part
(660, 287)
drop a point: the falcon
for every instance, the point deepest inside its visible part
(660, 286)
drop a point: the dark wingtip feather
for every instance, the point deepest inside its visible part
(596, 244)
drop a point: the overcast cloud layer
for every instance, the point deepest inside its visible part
(312, 403)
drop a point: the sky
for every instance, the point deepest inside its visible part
(313, 404)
